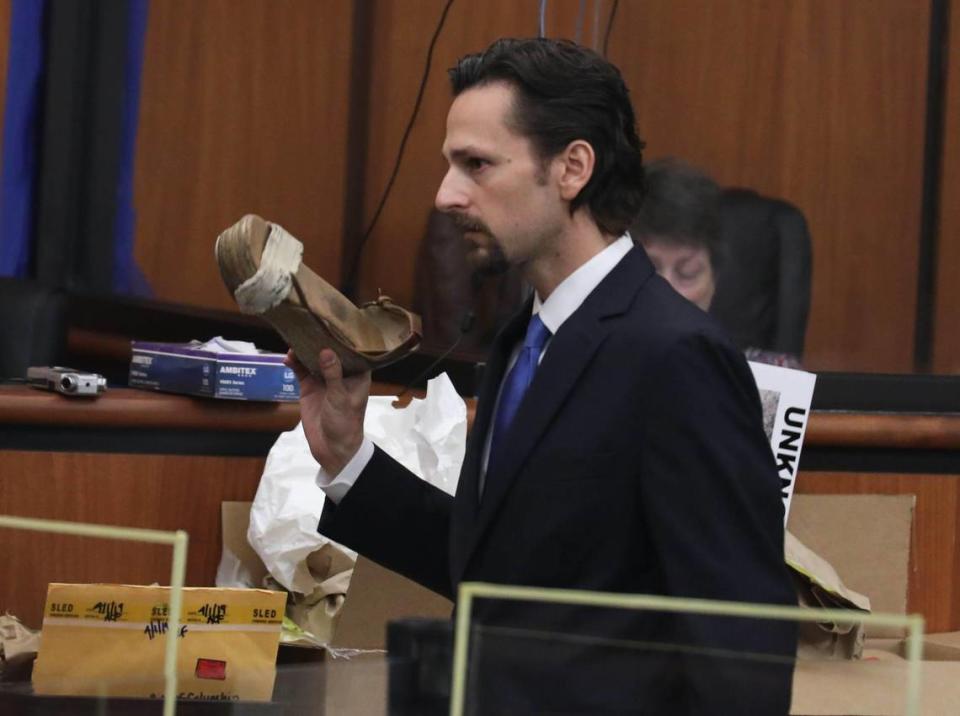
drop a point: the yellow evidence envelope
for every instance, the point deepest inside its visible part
(109, 640)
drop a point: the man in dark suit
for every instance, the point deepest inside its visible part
(617, 444)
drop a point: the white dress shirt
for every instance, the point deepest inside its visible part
(566, 298)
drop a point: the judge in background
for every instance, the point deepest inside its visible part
(741, 257)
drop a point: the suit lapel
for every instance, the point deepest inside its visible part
(568, 355)
(467, 502)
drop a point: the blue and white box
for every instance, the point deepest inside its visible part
(218, 369)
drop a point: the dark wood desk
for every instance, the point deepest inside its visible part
(166, 462)
(130, 458)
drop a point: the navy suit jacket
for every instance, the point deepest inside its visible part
(636, 463)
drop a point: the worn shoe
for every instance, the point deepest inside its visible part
(261, 265)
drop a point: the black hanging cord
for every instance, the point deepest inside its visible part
(349, 283)
(606, 35)
(925, 315)
(467, 322)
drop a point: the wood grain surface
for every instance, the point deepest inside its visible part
(129, 408)
(184, 492)
(946, 343)
(124, 407)
(820, 103)
(401, 35)
(242, 111)
(145, 409)
(911, 432)
(163, 492)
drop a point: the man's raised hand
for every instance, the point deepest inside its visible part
(332, 409)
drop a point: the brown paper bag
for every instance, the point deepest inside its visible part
(819, 586)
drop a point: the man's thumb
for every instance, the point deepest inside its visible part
(331, 369)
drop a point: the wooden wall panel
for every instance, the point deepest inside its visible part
(242, 110)
(946, 347)
(820, 103)
(163, 492)
(401, 36)
(934, 575)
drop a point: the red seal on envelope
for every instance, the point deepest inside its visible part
(211, 669)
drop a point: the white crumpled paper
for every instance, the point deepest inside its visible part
(18, 645)
(428, 437)
(219, 344)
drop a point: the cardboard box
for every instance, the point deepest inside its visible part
(867, 540)
(353, 686)
(189, 368)
(377, 596)
(876, 684)
(374, 597)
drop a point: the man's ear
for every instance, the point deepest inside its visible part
(576, 168)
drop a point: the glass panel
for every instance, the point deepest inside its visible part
(542, 651)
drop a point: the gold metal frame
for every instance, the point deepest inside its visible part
(178, 540)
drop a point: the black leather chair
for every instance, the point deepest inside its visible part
(32, 326)
(763, 283)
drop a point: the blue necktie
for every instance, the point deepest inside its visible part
(516, 383)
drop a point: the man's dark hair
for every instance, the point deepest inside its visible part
(682, 207)
(564, 92)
